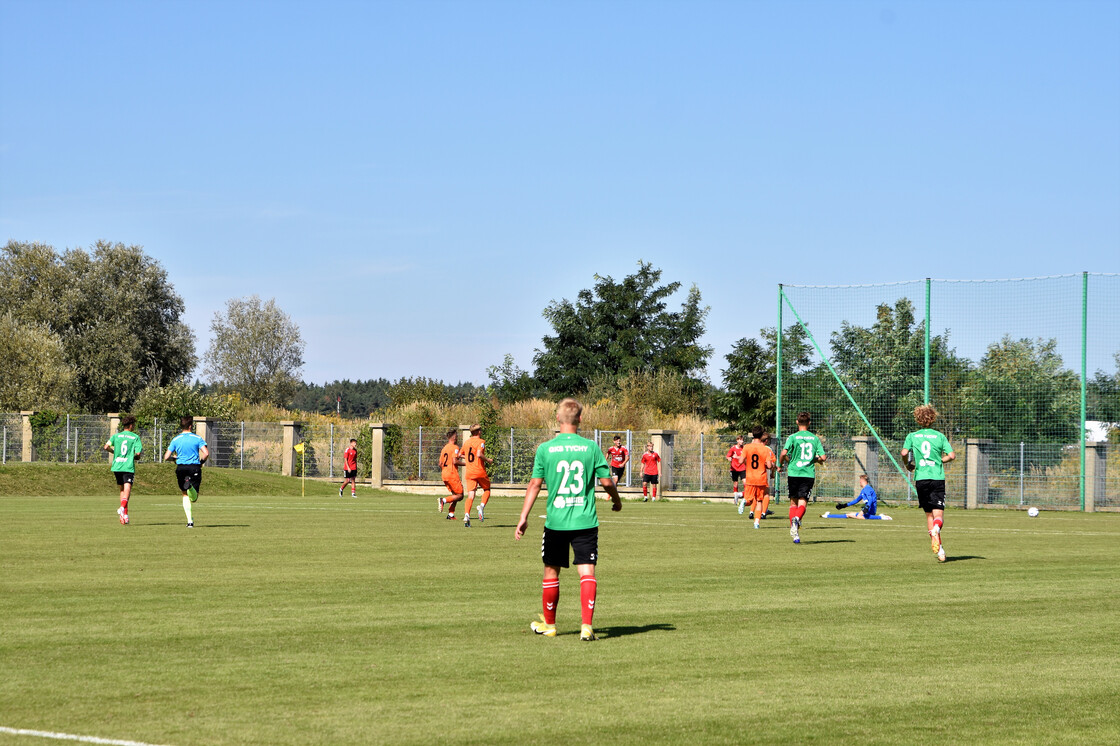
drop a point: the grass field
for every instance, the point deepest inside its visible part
(320, 620)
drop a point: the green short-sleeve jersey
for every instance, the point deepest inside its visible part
(803, 448)
(126, 447)
(927, 447)
(569, 464)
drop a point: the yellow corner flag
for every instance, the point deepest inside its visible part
(298, 448)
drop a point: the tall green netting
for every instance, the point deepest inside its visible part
(1001, 360)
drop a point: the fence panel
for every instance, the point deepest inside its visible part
(11, 437)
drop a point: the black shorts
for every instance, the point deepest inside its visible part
(738, 476)
(124, 477)
(618, 472)
(189, 475)
(800, 487)
(584, 543)
(350, 473)
(650, 478)
(931, 494)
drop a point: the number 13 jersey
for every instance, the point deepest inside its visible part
(570, 465)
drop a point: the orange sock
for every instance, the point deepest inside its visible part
(470, 503)
(765, 506)
(486, 497)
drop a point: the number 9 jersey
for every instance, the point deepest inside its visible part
(570, 465)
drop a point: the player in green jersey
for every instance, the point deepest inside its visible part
(125, 446)
(568, 466)
(930, 450)
(803, 451)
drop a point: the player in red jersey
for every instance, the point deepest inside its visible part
(651, 471)
(619, 457)
(449, 463)
(350, 468)
(738, 472)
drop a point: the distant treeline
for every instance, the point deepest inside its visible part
(361, 398)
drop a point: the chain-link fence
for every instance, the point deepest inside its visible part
(1030, 367)
(69, 438)
(11, 437)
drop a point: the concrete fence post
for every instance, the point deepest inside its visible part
(866, 460)
(1096, 469)
(114, 423)
(377, 454)
(289, 455)
(203, 430)
(977, 474)
(28, 452)
(663, 442)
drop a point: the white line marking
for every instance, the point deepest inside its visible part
(72, 737)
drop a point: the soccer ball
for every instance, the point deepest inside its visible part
(1032, 512)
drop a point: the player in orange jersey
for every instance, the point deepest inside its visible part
(758, 462)
(474, 454)
(449, 463)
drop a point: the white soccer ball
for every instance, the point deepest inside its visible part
(1032, 512)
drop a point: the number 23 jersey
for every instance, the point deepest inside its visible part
(570, 464)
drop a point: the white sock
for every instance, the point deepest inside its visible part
(187, 508)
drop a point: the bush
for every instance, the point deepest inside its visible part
(179, 399)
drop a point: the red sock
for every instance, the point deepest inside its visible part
(645, 489)
(654, 492)
(587, 588)
(792, 513)
(938, 523)
(124, 504)
(801, 511)
(550, 595)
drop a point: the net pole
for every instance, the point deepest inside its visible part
(1084, 371)
(851, 399)
(927, 342)
(778, 393)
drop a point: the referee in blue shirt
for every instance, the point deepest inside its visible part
(189, 452)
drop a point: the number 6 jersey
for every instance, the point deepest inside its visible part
(570, 465)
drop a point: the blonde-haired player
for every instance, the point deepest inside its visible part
(931, 451)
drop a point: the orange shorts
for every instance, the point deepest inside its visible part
(479, 483)
(752, 492)
(454, 486)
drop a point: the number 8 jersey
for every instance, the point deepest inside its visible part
(570, 465)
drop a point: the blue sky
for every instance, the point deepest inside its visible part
(415, 181)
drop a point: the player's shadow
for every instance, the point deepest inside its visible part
(624, 630)
(827, 541)
(963, 557)
(197, 525)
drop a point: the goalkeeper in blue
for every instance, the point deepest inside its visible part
(867, 496)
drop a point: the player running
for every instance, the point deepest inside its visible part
(189, 452)
(651, 471)
(803, 451)
(474, 454)
(867, 496)
(758, 465)
(734, 454)
(568, 465)
(619, 457)
(449, 463)
(931, 451)
(350, 468)
(125, 446)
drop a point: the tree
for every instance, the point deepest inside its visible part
(34, 373)
(114, 311)
(509, 383)
(256, 350)
(1103, 395)
(1021, 392)
(750, 379)
(883, 366)
(618, 327)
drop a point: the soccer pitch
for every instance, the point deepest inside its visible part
(327, 620)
